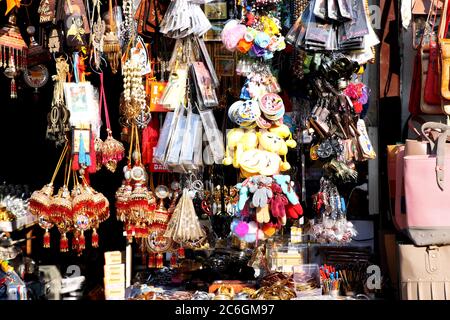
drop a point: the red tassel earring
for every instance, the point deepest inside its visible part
(63, 243)
(173, 261)
(46, 239)
(82, 241)
(151, 261)
(94, 239)
(159, 261)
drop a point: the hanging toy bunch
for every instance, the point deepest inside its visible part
(332, 225)
(265, 204)
(257, 34)
(259, 147)
(77, 211)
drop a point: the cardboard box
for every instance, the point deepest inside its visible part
(113, 257)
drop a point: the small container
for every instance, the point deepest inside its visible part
(307, 280)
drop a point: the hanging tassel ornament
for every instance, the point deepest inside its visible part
(173, 261)
(13, 50)
(112, 150)
(63, 243)
(94, 238)
(76, 241)
(46, 239)
(180, 252)
(159, 261)
(81, 241)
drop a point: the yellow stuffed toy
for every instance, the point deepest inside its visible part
(238, 141)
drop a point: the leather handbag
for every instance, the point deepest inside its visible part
(426, 181)
(424, 272)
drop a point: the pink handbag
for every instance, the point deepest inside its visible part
(427, 191)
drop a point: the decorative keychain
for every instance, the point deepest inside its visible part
(112, 151)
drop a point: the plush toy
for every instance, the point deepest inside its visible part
(239, 141)
(243, 196)
(293, 208)
(272, 142)
(284, 132)
(278, 202)
(234, 136)
(262, 193)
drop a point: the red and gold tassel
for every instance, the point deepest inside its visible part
(63, 243)
(173, 261)
(75, 242)
(159, 261)
(46, 239)
(152, 261)
(81, 241)
(94, 239)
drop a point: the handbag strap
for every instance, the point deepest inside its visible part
(443, 24)
(426, 29)
(440, 147)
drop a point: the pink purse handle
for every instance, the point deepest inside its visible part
(399, 217)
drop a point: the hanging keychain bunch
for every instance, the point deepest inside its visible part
(331, 226)
(58, 117)
(135, 204)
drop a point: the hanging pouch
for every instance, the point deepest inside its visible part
(214, 135)
(189, 139)
(163, 141)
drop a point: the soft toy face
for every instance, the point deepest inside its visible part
(272, 143)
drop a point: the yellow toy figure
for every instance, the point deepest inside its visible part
(239, 141)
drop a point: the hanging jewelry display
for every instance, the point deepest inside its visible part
(41, 200)
(135, 204)
(157, 242)
(134, 107)
(13, 51)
